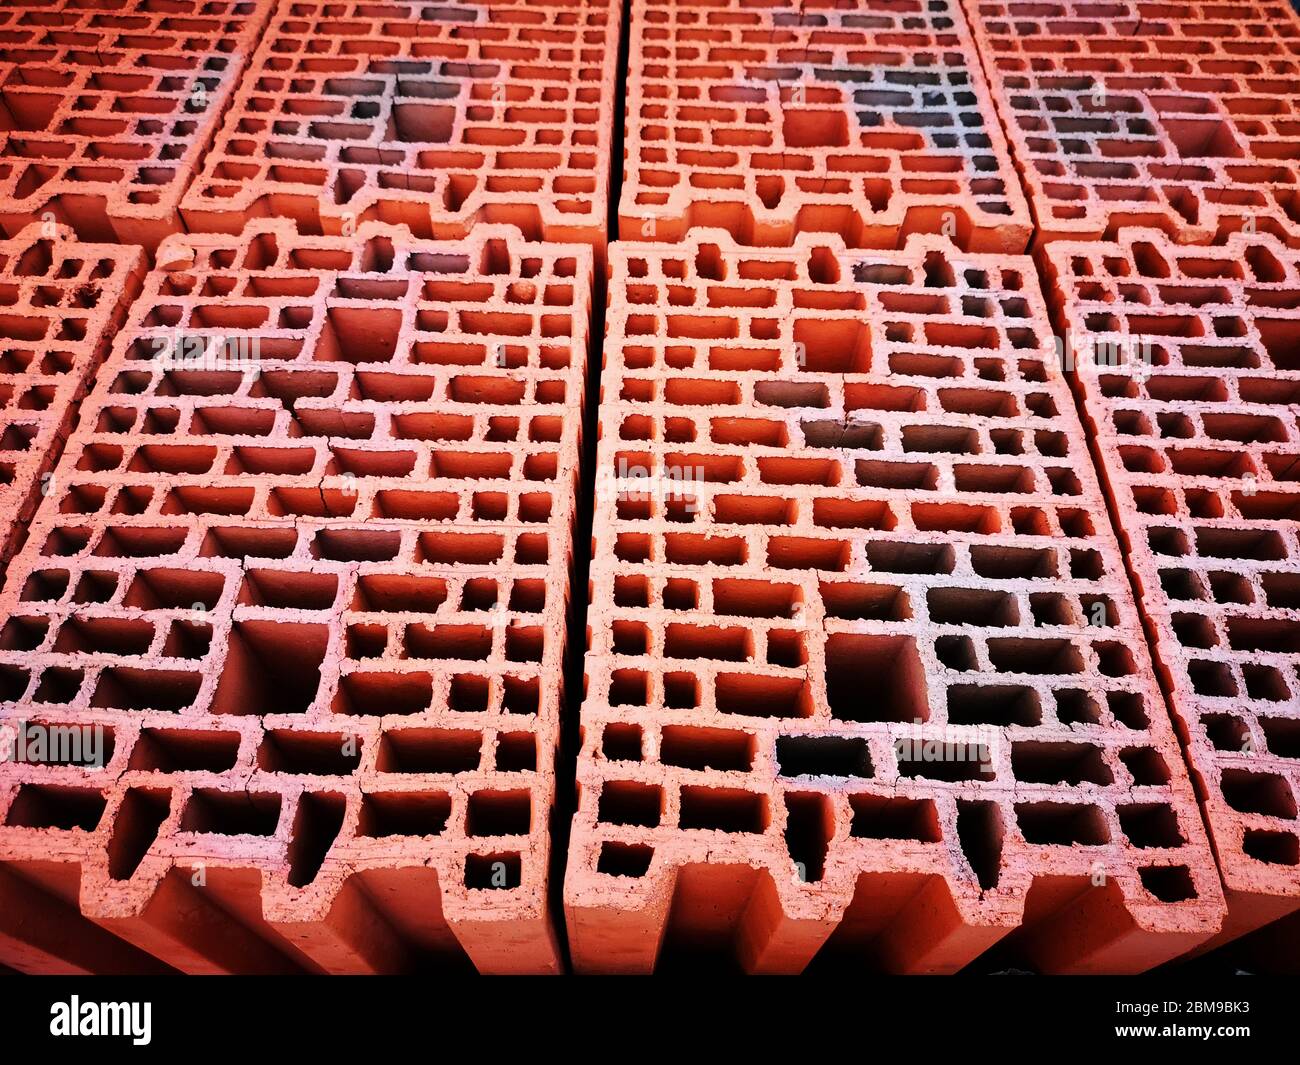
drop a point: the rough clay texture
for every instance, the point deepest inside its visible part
(894, 539)
(434, 115)
(106, 109)
(871, 120)
(59, 303)
(1190, 397)
(1180, 116)
(318, 603)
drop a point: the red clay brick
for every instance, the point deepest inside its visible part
(1191, 395)
(1179, 116)
(59, 304)
(433, 115)
(896, 521)
(871, 120)
(363, 533)
(106, 108)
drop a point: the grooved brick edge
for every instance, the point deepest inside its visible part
(312, 580)
(1190, 380)
(845, 509)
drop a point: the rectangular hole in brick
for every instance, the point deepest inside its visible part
(762, 696)
(1168, 883)
(522, 695)
(525, 643)
(1150, 825)
(516, 752)
(1272, 848)
(58, 686)
(493, 872)
(315, 753)
(469, 693)
(694, 747)
(316, 826)
(722, 810)
(919, 558)
(621, 742)
(884, 817)
(271, 667)
(250, 543)
(399, 593)
(865, 602)
(359, 335)
(1037, 657)
(754, 599)
(135, 828)
(1034, 762)
(936, 759)
(1212, 679)
(809, 825)
(979, 828)
(632, 591)
(1266, 794)
(114, 636)
(1062, 824)
(972, 606)
(404, 813)
(993, 704)
(472, 643)
(624, 859)
(1282, 734)
(708, 642)
(49, 806)
(185, 750)
(823, 756)
(289, 591)
(499, 813)
(875, 678)
(124, 688)
(627, 802)
(429, 751)
(1009, 563)
(382, 694)
(231, 813)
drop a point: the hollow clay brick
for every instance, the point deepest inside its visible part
(107, 108)
(60, 301)
(1190, 381)
(1180, 116)
(845, 510)
(871, 120)
(312, 581)
(434, 115)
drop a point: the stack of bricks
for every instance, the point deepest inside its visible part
(431, 115)
(1190, 383)
(107, 110)
(916, 636)
(1180, 116)
(864, 670)
(871, 120)
(304, 562)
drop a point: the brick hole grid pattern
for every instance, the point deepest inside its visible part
(59, 304)
(871, 120)
(430, 114)
(318, 608)
(904, 527)
(1201, 449)
(106, 111)
(1179, 116)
